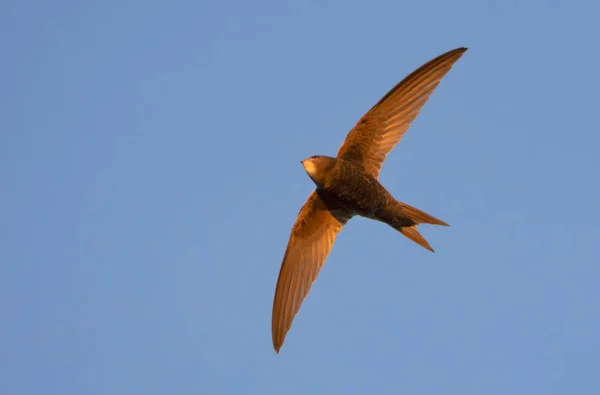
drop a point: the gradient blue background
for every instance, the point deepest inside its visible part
(150, 176)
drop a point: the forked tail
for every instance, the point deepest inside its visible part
(407, 220)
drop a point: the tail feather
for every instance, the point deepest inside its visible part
(420, 217)
(406, 220)
(412, 233)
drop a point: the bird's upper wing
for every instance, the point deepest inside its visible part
(312, 237)
(382, 127)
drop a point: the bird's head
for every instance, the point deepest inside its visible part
(317, 168)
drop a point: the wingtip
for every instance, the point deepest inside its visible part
(457, 51)
(277, 344)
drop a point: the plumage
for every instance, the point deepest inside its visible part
(382, 127)
(348, 185)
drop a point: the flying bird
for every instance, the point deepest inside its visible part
(348, 185)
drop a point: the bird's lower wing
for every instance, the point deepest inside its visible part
(312, 237)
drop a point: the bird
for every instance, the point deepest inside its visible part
(347, 185)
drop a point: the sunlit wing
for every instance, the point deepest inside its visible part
(311, 239)
(382, 127)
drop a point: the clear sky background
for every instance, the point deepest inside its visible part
(150, 176)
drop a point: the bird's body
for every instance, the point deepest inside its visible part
(347, 185)
(344, 186)
(357, 191)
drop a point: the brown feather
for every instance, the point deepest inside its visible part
(312, 237)
(382, 127)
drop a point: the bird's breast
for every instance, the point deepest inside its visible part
(357, 189)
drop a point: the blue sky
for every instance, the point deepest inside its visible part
(149, 164)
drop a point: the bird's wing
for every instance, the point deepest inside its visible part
(382, 127)
(311, 239)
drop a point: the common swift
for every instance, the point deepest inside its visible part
(348, 185)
